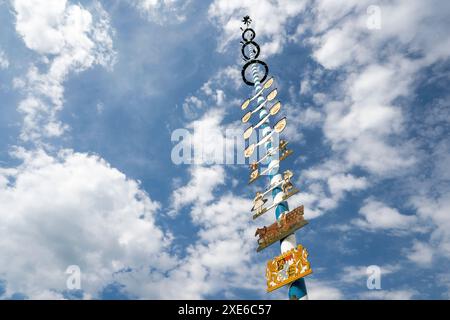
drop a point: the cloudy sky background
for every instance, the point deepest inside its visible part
(91, 91)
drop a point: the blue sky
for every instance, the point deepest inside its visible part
(91, 92)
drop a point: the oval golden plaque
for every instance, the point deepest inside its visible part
(268, 83)
(272, 95)
(248, 132)
(246, 117)
(275, 108)
(249, 151)
(280, 125)
(245, 104)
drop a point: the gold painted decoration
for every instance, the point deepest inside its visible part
(278, 128)
(245, 104)
(285, 154)
(275, 108)
(287, 223)
(283, 144)
(287, 175)
(280, 125)
(288, 191)
(246, 117)
(268, 83)
(249, 150)
(255, 174)
(272, 95)
(287, 268)
(248, 132)
(258, 201)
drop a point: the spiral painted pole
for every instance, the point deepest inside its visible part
(297, 289)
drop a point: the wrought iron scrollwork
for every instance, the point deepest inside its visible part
(248, 35)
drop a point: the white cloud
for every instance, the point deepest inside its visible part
(367, 112)
(363, 121)
(361, 127)
(405, 294)
(162, 11)
(225, 243)
(200, 188)
(326, 185)
(213, 93)
(433, 209)
(318, 290)
(4, 62)
(69, 208)
(299, 119)
(72, 209)
(376, 216)
(75, 209)
(269, 20)
(444, 280)
(71, 39)
(421, 254)
(222, 257)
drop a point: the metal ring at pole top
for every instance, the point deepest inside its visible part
(253, 34)
(249, 63)
(248, 35)
(256, 50)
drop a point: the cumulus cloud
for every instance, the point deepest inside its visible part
(366, 116)
(319, 290)
(223, 248)
(200, 188)
(213, 93)
(72, 209)
(377, 216)
(67, 208)
(364, 120)
(270, 20)
(326, 185)
(71, 39)
(225, 243)
(434, 209)
(421, 253)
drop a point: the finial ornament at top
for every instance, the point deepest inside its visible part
(247, 20)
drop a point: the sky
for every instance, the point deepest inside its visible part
(91, 93)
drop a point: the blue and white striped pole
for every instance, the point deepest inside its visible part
(297, 289)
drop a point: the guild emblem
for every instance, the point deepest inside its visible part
(288, 267)
(284, 226)
(288, 191)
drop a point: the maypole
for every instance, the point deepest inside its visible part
(292, 265)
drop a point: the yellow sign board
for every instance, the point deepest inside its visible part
(288, 267)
